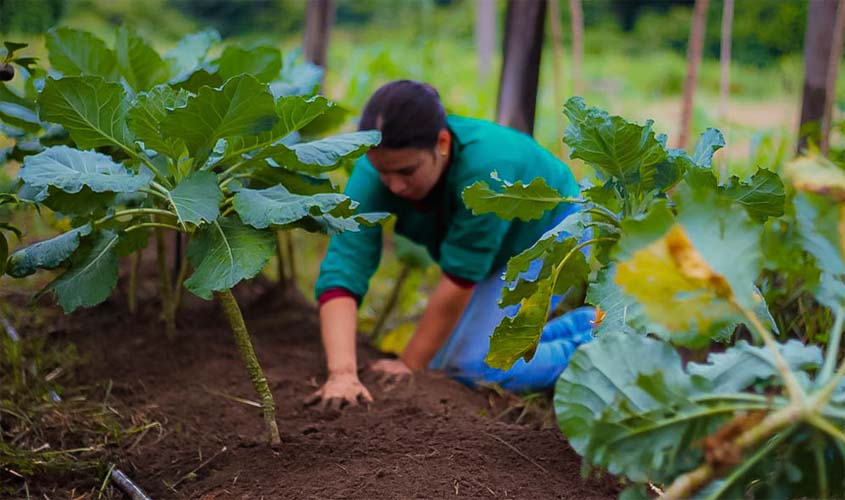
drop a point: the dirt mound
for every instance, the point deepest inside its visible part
(431, 438)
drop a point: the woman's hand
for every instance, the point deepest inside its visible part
(391, 371)
(339, 391)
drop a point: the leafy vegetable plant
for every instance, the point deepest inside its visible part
(208, 147)
(677, 255)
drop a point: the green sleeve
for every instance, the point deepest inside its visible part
(353, 257)
(472, 241)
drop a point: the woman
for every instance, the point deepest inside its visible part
(418, 171)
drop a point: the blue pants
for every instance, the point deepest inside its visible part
(462, 356)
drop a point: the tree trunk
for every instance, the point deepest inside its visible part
(821, 23)
(832, 73)
(134, 269)
(319, 17)
(522, 49)
(694, 51)
(577, 14)
(485, 35)
(256, 374)
(725, 58)
(557, 67)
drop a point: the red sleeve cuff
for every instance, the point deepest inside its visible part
(461, 282)
(334, 293)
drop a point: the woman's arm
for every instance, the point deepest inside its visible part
(338, 319)
(442, 313)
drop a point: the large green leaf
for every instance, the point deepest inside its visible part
(563, 266)
(74, 52)
(85, 202)
(70, 169)
(294, 113)
(619, 312)
(47, 254)
(514, 200)
(743, 364)
(243, 106)
(340, 219)
(19, 116)
(138, 62)
(191, 51)
(818, 223)
(264, 62)
(226, 252)
(90, 108)
(147, 113)
(762, 196)
(295, 182)
(276, 205)
(323, 155)
(615, 147)
(91, 276)
(196, 199)
(297, 79)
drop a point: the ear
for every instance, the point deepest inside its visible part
(444, 142)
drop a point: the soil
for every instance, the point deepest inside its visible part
(430, 438)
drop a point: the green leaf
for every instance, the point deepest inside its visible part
(226, 252)
(615, 147)
(622, 313)
(328, 122)
(137, 61)
(818, 221)
(19, 116)
(323, 155)
(132, 241)
(276, 205)
(91, 276)
(742, 365)
(147, 113)
(295, 182)
(243, 106)
(194, 81)
(763, 196)
(48, 254)
(514, 201)
(85, 202)
(563, 266)
(340, 219)
(91, 109)
(191, 50)
(294, 113)
(70, 169)
(12, 47)
(298, 79)
(74, 52)
(264, 62)
(612, 404)
(196, 199)
(711, 141)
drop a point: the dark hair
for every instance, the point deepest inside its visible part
(409, 114)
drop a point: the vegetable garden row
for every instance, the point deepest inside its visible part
(698, 382)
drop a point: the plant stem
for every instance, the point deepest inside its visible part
(153, 192)
(392, 299)
(280, 257)
(832, 347)
(177, 286)
(291, 259)
(164, 286)
(796, 393)
(826, 426)
(256, 375)
(686, 484)
(133, 281)
(160, 225)
(226, 173)
(133, 212)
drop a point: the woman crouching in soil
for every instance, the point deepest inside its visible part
(418, 171)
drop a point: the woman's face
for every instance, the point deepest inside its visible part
(412, 173)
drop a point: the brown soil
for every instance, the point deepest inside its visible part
(431, 438)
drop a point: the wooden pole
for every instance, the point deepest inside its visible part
(832, 73)
(694, 52)
(818, 41)
(522, 50)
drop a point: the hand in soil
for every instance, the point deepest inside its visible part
(340, 391)
(391, 371)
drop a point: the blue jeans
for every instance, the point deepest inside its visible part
(462, 356)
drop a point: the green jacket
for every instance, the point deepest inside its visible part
(466, 246)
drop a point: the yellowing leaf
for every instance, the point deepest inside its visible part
(676, 286)
(817, 175)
